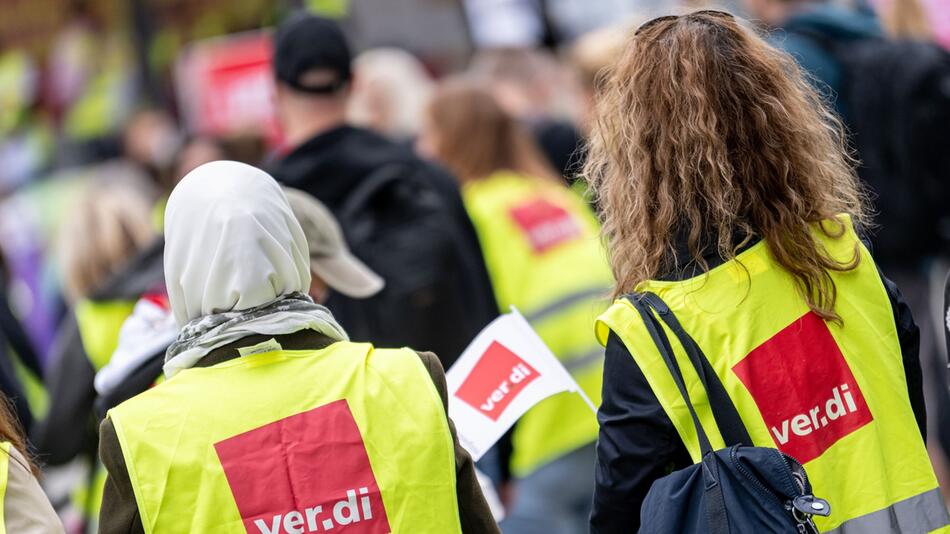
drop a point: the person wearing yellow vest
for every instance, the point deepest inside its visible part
(108, 256)
(541, 247)
(24, 508)
(726, 190)
(270, 420)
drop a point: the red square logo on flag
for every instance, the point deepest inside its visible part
(804, 389)
(498, 377)
(546, 225)
(305, 473)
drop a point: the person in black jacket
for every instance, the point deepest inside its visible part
(638, 442)
(403, 217)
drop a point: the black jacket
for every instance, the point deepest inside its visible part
(405, 219)
(639, 444)
(16, 347)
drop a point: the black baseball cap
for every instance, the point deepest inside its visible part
(306, 42)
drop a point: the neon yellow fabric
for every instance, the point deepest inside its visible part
(560, 289)
(33, 388)
(99, 324)
(169, 433)
(745, 303)
(4, 474)
(87, 118)
(336, 9)
(158, 214)
(15, 68)
(582, 190)
(88, 497)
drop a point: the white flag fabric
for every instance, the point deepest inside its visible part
(505, 371)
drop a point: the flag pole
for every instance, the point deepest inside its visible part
(579, 391)
(587, 400)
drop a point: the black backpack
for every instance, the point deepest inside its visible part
(735, 490)
(401, 227)
(895, 99)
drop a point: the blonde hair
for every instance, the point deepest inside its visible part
(390, 91)
(110, 223)
(594, 52)
(704, 132)
(476, 137)
(906, 19)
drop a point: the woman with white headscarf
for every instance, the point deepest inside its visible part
(270, 420)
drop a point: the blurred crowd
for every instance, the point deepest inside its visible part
(92, 143)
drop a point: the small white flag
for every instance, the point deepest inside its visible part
(506, 370)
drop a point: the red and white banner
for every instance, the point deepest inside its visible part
(225, 85)
(504, 372)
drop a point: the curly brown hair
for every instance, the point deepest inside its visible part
(706, 134)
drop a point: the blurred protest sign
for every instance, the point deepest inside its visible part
(504, 372)
(225, 86)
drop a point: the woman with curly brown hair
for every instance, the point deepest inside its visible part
(728, 195)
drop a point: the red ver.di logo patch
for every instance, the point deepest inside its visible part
(498, 377)
(305, 473)
(546, 225)
(804, 389)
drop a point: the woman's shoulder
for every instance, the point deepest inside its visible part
(26, 509)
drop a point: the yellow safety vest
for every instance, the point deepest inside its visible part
(99, 322)
(832, 396)
(5, 447)
(544, 256)
(293, 441)
(33, 387)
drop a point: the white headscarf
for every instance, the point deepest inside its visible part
(228, 229)
(236, 262)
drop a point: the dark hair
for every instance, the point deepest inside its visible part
(11, 431)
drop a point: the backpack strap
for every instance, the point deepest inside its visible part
(666, 352)
(715, 506)
(724, 411)
(377, 180)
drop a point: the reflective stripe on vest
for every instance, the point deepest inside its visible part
(4, 475)
(553, 308)
(832, 396)
(921, 513)
(293, 441)
(544, 256)
(99, 324)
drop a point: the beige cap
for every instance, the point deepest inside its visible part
(330, 257)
